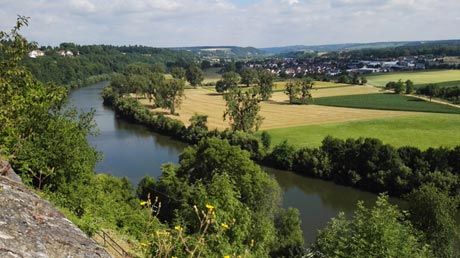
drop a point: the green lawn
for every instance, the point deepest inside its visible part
(423, 131)
(379, 80)
(386, 101)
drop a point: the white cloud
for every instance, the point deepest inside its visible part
(229, 22)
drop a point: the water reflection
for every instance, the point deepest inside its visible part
(318, 200)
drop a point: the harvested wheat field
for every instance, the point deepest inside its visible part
(277, 112)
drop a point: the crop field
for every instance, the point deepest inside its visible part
(277, 112)
(441, 84)
(281, 85)
(307, 125)
(387, 101)
(422, 131)
(379, 80)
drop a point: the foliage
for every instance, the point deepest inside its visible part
(92, 60)
(264, 85)
(299, 90)
(434, 90)
(178, 72)
(433, 212)
(194, 74)
(248, 76)
(370, 165)
(409, 86)
(245, 199)
(46, 140)
(171, 94)
(229, 81)
(386, 102)
(377, 232)
(243, 109)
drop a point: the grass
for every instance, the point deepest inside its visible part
(438, 76)
(281, 85)
(441, 84)
(422, 131)
(211, 75)
(386, 101)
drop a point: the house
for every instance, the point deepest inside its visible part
(61, 52)
(36, 53)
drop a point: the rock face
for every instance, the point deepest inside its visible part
(32, 227)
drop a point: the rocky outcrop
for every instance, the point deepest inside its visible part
(32, 227)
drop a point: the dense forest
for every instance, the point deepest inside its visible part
(429, 49)
(89, 62)
(218, 203)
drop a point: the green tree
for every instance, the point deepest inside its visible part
(155, 83)
(363, 80)
(409, 86)
(194, 75)
(46, 140)
(119, 83)
(433, 212)
(244, 198)
(229, 80)
(399, 87)
(289, 236)
(178, 72)
(432, 90)
(146, 188)
(264, 85)
(266, 139)
(205, 64)
(377, 232)
(248, 76)
(305, 85)
(171, 94)
(243, 109)
(343, 79)
(292, 90)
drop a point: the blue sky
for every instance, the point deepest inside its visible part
(258, 23)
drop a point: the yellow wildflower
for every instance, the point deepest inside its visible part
(178, 228)
(143, 203)
(224, 225)
(174, 257)
(144, 244)
(252, 242)
(227, 256)
(209, 207)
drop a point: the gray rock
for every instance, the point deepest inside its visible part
(31, 227)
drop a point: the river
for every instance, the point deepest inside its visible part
(132, 151)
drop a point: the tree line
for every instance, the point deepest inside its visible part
(94, 60)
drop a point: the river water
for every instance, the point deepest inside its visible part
(133, 151)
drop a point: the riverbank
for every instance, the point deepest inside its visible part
(365, 164)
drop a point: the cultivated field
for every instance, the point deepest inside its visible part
(422, 130)
(387, 101)
(345, 111)
(379, 80)
(277, 112)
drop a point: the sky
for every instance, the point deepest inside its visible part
(257, 23)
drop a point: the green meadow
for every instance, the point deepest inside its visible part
(387, 101)
(425, 77)
(422, 131)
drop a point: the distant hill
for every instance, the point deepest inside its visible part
(354, 46)
(224, 51)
